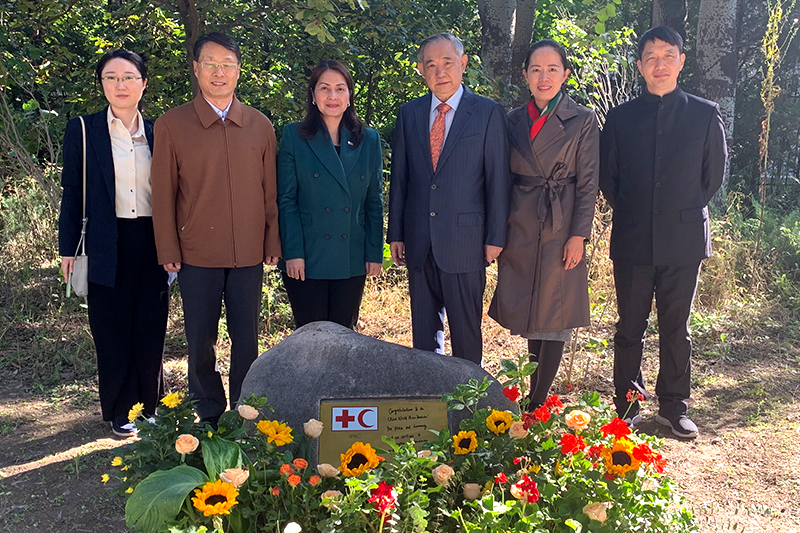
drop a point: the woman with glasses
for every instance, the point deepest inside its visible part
(128, 294)
(330, 207)
(542, 288)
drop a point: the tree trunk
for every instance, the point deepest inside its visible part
(191, 24)
(717, 65)
(497, 21)
(670, 13)
(521, 41)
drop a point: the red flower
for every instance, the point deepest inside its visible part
(501, 477)
(517, 460)
(542, 414)
(644, 453)
(572, 444)
(384, 498)
(276, 491)
(554, 403)
(528, 486)
(594, 451)
(286, 469)
(609, 477)
(294, 480)
(512, 393)
(633, 396)
(527, 420)
(616, 427)
(314, 480)
(569, 385)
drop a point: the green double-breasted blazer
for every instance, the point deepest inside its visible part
(330, 206)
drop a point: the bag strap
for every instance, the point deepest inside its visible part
(84, 220)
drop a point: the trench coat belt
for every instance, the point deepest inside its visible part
(551, 196)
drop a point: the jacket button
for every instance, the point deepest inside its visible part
(433, 186)
(658, 184)
(660, 132)
(344, 235)
(661, 107)
(328, 209)
(433, 214)
(327, 236)
(362, 176)
(655, 212)
(346, 209)
(316, 174)
(658, 158)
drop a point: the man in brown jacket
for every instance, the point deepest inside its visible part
(216, 218)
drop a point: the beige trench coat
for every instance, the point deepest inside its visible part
(553, 198)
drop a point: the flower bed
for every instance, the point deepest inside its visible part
(560, 468)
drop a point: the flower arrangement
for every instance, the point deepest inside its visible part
(574, 468)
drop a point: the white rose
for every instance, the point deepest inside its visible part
(472, 491)
(330, 495)
(442, 474)
(248, 412)
(517, 430)
(596, 511)
(235, 476)
(292, 527)
(327, 470)
(313, 428)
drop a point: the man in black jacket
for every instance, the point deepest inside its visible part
(662, 158)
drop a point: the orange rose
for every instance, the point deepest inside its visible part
(186, 444)
(276, 491)
(314, 480)
(300, 463)
(286, 469)
(294, 480)
(577, 420)
(235, 476)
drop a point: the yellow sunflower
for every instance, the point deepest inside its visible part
(619, 459)
(358, 459)
(276, 432)
(215, 498)
(135, 412)
(172, 399)
(465, 442)
(499, 421)
(116, 461)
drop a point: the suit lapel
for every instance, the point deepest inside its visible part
(520, 137)
(463, 115)
(422, 116)
(323, 148)
(349, 153)
(100, 140)
(553, 129)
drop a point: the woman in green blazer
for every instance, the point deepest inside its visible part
(330, 204)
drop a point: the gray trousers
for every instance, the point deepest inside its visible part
(203, 290)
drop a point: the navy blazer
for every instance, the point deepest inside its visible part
(101, 231)
(462, 206)
(330, 206)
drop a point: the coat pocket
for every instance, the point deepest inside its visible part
(694, 214)
(470, 219)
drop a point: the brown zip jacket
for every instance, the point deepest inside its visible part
(214, 190)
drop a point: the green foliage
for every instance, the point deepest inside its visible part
(159, 498)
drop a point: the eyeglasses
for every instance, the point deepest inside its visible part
(212, 66)
(125, 79)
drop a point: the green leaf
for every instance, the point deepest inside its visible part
(611, 10)
(220, 455)
(577, 526)
(599, 28)
(159, 498)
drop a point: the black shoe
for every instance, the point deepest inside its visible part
(633, 419)
(212, 421)
(122, 428)
(680, 424)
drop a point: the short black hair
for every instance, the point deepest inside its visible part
(226, 41)
(133, 57)
(548, 43)
(662, 33)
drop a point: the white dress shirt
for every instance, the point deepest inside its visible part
(131, 155)
(453, 102)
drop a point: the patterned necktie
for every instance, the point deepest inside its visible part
(437, 133)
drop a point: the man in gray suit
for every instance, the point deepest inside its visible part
(448, 200)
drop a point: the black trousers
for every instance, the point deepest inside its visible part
(203, 291)
(435, 292)
(548, 355)
(334, 300)
(674, 288)
(129, 322)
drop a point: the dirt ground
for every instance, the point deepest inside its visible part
(741, 474)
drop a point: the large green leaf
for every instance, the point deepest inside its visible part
(219, 455)
(159, 497)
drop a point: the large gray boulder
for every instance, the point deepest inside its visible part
(323, 360)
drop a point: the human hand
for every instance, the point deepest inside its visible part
(173, 267)
(398, 250)
(491, 252)
(271, 260)
(296, 268)
(373, 269)
(573, 252)
(67, 264)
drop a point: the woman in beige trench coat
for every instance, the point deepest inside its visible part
(542, 290)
